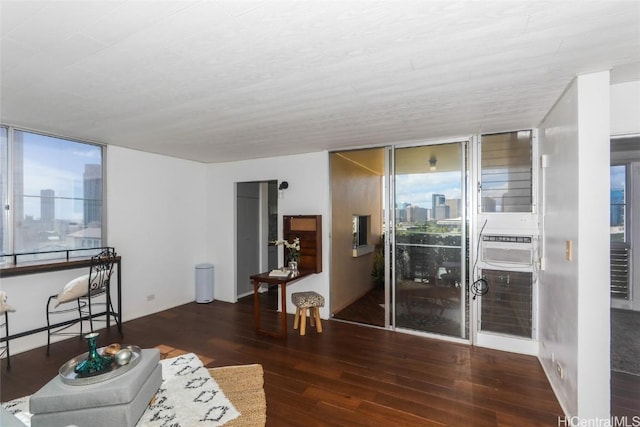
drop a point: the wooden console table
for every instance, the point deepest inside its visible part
(282, 287)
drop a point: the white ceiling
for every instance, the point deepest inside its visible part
(218, 81)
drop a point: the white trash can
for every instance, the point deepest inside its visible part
(204, 283)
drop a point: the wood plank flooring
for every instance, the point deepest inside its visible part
(625, 396)
(625, 388)
(349, 375)
(368, 310)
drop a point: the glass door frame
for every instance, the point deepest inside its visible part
(390, 237)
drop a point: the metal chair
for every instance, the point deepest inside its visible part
(4, 348)
(83, 290)
(4, 310)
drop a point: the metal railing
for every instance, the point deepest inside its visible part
(64, 255)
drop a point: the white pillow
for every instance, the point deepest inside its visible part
(3, 303)
(73, 290)
(79, 287)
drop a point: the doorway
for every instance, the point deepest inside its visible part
(256, 227)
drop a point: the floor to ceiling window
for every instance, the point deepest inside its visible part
(52, 191)
(429, 229)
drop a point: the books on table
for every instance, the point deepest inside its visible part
(279, 273)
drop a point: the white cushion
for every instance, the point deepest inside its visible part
(78, 287)
(3, 303)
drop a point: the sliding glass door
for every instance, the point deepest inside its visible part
(429, 231)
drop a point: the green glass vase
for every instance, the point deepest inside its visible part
(95, 363)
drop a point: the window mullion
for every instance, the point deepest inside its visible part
(7, 202)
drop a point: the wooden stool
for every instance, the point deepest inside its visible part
(302, 301)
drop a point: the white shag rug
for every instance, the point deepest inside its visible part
(188, 396)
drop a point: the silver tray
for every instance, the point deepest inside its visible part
(68, 375)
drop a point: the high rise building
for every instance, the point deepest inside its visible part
(439, 208)
(416, 214)
(437, 200)
(47, 205)
(92, 194)
(402, 211)
(441, 212)
(454, 207)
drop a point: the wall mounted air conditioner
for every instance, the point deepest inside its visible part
(501, 249)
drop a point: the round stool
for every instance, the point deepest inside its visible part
(302, 301)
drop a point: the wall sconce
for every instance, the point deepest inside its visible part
(283, 186)
(432, 163)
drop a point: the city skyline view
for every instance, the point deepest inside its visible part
(410, 188)
(55, 194)
(56, 164)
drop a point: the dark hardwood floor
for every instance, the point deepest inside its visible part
(349, 375)
(369, 309)
(625, 387)
(625, 395)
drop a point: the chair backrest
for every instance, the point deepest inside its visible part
(100, 271)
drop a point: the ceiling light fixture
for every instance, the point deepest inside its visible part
(432, 163)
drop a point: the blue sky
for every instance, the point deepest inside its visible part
(417, 189)
(617, 177)
(57, 164)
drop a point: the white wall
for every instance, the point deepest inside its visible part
(308, 194)
(625, 108)
(574, 294)
(156, 222)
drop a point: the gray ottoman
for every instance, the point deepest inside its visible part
(7, 419)
(116, 402)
